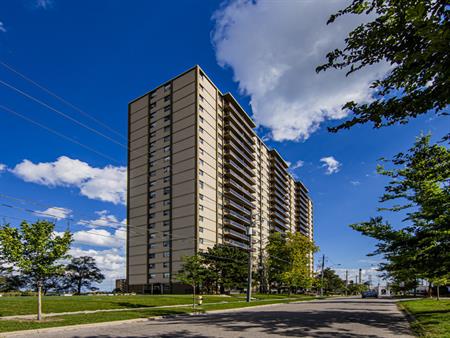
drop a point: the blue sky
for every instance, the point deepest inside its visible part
(99, 55)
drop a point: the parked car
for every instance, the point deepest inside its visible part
(369, 294)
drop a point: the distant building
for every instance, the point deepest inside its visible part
(199, 175)
(121, 284)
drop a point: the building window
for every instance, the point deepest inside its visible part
(151, 205)
(201, 207)
(165, 264)
(167, 98)
(166, 275)
(151, 225)
(152, 245)
(165, 234)
(202, 88)
(151, 266)
(152, 144)
(167, 87)
(166, 254)
(202, 184)
(201, 240)
(165, 244)
(201, 119)
(152, 194)
(202, 152)
(200, 218)
(201, 129)
(152, 276)
(152, 154)
(166, 149)
(152, 125)
(166, 212)
(166, 190)
(166, 129)
(201, 98)
(201, 172)
(152, 255)
(200, 229)
(152, 215)
(167, 108)
(200, 140)
(202, 162)
(166, 138)
(166, 202)
(166, 170)
(167, 159)
(151, 183)
(166, 223)
(166, 118)
(153, 134)
(152, 235)
(166, 179)
(201, 108)
(152, 105)
(200, 196)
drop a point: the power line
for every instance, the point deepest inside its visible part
(58, 133)
(61, 113)
(48, 91)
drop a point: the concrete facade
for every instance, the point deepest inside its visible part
(199, 176)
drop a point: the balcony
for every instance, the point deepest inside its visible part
(280, 186)
(239, 207)
(278, 229)
(241, 180)
(236, 243)
(234, 116)
(279, 215)
(283, 204)
(233, 224)
(232, 133)
(241, 162)
(236, 234)
(238, 216)
(245, 147)
(240, 189)
(277, 222)
(233, 165)
(279, 209)
(231, 147)
(240, 198)
(278, 192)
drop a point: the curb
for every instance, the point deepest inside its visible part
(136, 320)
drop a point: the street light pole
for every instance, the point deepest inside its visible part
(321, 277)
(250, 265)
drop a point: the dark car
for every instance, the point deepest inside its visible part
(369, 294)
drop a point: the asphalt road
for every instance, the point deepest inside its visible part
(344, 317)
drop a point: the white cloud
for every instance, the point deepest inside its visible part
(297, 165)
(44, 4)
(273, 49)
(355, 183)
(105, 184)
(101, 237)
(111, 262)
(331, 164)
(104, 219)
(2, 167)
(2, 27)
(55, 212)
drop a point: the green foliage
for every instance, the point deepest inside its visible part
(228, 266)
(332, 283)
(35, 250)
(420, 185)
(413, 37)
(81, 272)
(194, 272)
(289, 259)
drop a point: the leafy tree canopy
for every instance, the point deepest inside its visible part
(81, 273)
(413, 37)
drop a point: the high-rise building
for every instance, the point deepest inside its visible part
(198, 175)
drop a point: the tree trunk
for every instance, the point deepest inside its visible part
(39, 309)
(193, 296)
(437, 291)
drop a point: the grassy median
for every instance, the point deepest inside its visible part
(432, 317)
(137, 301)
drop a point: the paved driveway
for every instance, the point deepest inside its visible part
(344, 317)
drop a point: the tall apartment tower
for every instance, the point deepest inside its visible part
(198, 175)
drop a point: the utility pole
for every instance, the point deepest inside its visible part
(250, 265)
(360, 274)
(321, 276)
(346, 282)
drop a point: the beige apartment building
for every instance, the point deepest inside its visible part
(198, 176)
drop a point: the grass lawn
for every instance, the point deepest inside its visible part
(432, 317)
(233, 302)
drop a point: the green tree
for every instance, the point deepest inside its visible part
(193, 272)
(419, 187)
(228, 264)
(332, 283)
(81, 272)
(299, 253)
(413, 37)
(35, 251)
(277, 254)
